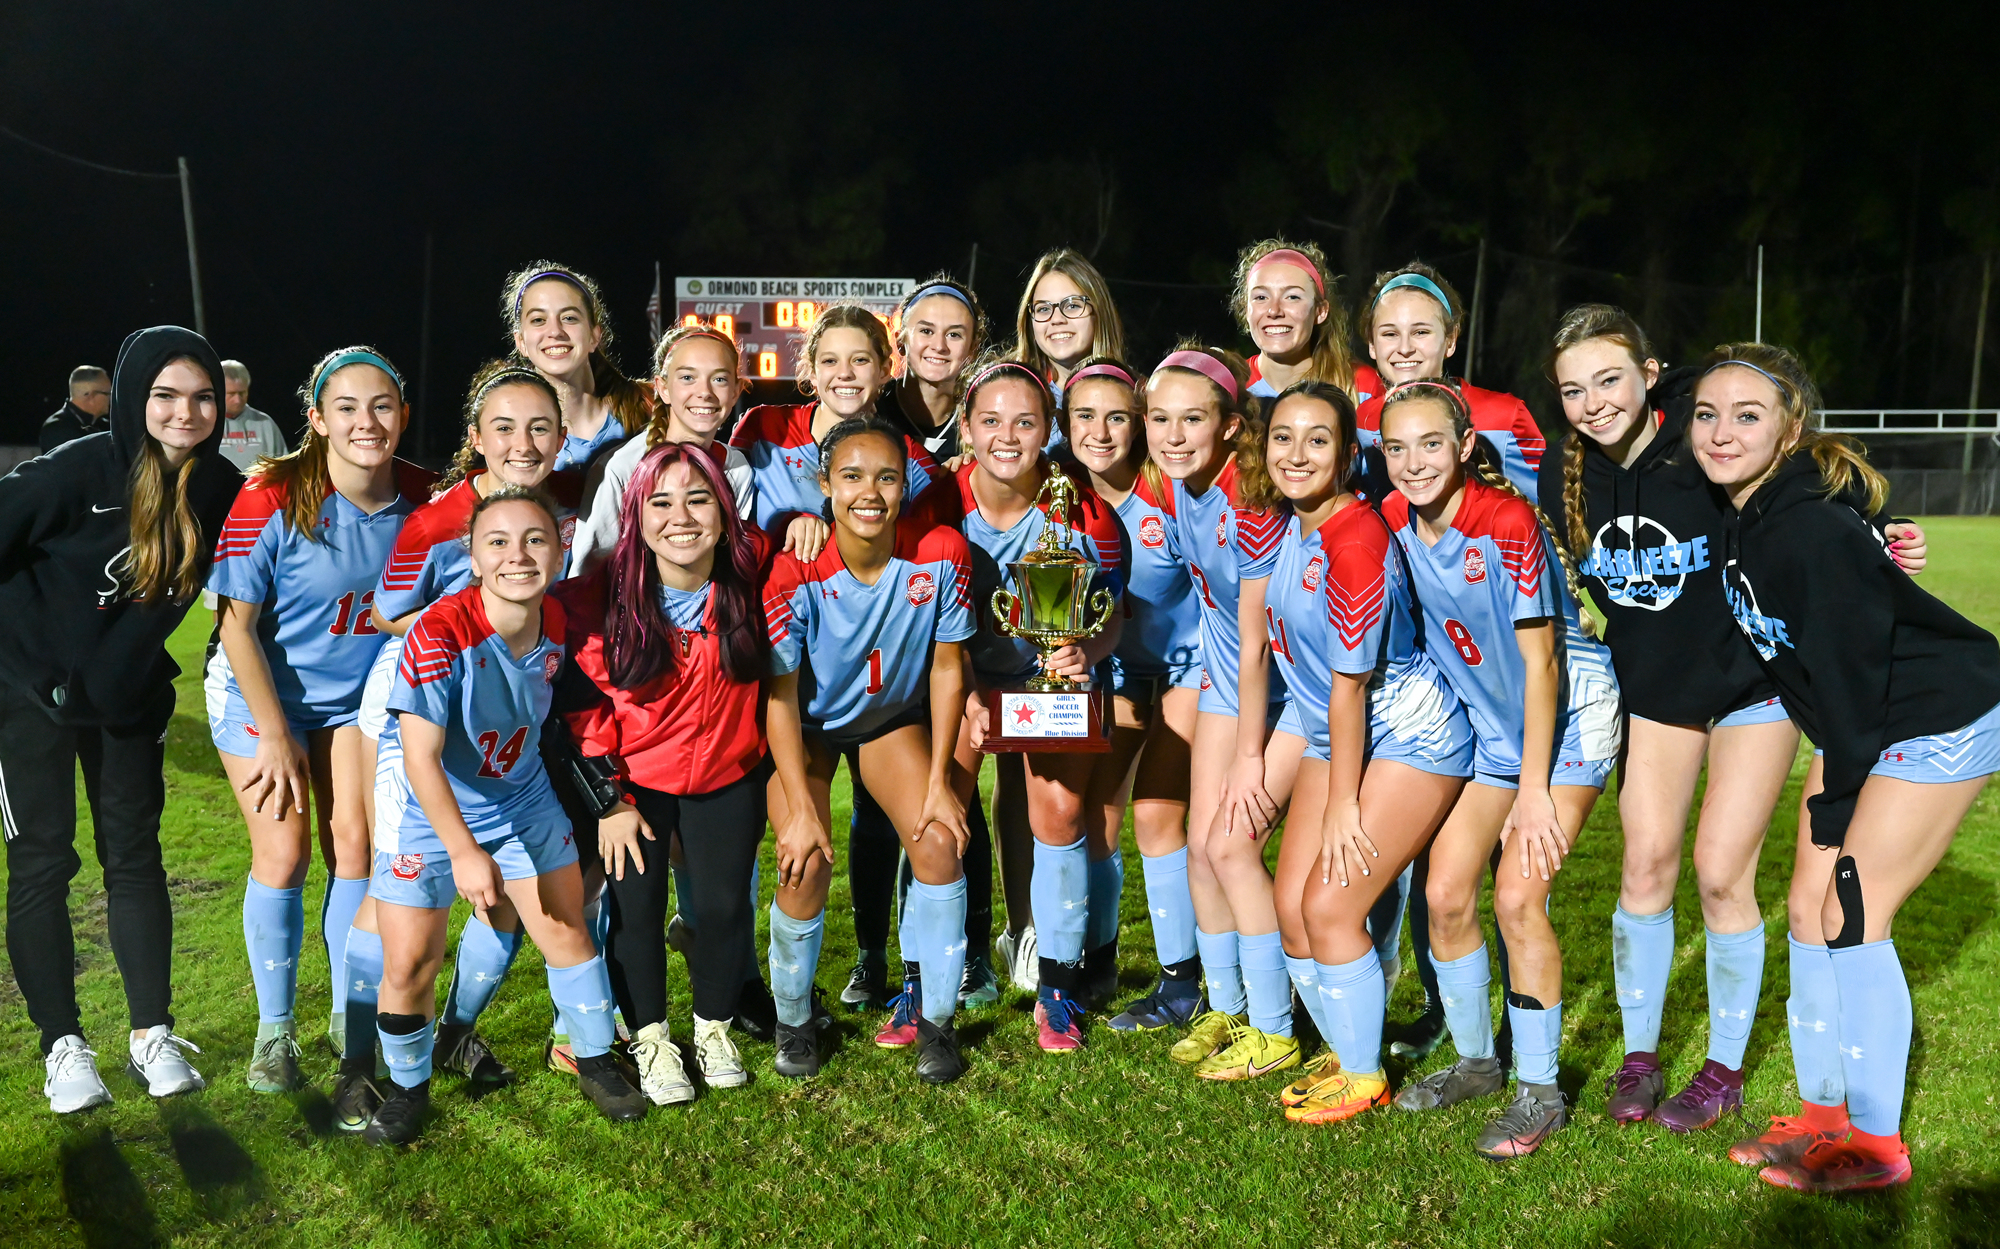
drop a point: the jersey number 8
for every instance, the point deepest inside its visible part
(1461, 638)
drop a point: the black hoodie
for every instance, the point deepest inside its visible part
(1653, 571)
(1864, 656)
(67, 638)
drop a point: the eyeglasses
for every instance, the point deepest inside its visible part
(1072, 308)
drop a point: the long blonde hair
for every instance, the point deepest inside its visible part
(1108, 338)
(1253, 479)
(167, 553)
(1331, 359)
(1581, 324)
(1843, 464)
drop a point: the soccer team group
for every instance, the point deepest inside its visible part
(636, 623)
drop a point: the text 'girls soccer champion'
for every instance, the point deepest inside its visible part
(1901, 693)
(1629, 501)
(104, 544)
(296, 568)
(1155, 686)
(868, 662)
(465, 808)
(1545, 718)
(1004, 425)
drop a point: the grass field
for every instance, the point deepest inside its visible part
(1116, 1145)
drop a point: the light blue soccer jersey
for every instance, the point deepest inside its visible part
(314, 593)
(456, 672)
(1162, 631)
(578, 452)
(1223, 545)
(778, 441)
(1493, 567)
(432, 557)
(1504, 423)
(999, 657)
(863, 652)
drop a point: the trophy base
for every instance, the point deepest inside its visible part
(1027, 720)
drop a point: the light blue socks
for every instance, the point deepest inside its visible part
(1220, 966)
(1875, 1021)
(274, 930)
(1265, 983)
(1107, 889)
(336, 915)
(1537, 1036)
(1813, 1011)
(1059, 896)
(1642, 956)
(1170, 905)
(582, 995)
(794, 961)
(363, 982)
(1466, 984)
(935, 919)
(1354, 997)
(484, 955)
(1305, 978)
(1735, 978)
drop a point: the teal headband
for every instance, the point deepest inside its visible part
(1419, 282)
(354, 355)
(1768, 375)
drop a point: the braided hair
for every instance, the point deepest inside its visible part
(1581, 324)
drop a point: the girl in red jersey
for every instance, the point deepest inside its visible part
(1285, 300)
(1155, 683)
(670, 634)
(556, 320)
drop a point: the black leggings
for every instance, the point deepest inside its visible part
(719, 834)
(124, 781)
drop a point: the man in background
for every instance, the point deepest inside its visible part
(89, 401)
(246, 432)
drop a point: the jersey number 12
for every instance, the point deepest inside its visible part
(349, 621)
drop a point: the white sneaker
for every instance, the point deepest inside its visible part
(662, 1077)
(73, 1083)
(1022, 957)
(721, 1065)
(158, 1063)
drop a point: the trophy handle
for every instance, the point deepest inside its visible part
(1004, 605)
(1103, 604)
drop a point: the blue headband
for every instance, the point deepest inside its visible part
(939, 288)
(560, 274)
(354, 355)
(1419, 282)
(1768, 375)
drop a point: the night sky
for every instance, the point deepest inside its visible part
(1598, 161)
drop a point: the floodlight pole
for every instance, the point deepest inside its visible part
(1757, 335)
(194, 257)
(1478, 312)
(1978, 354)
(424, 353)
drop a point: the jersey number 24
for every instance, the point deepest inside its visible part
(498, 760)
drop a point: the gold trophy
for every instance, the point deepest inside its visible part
(1051, 606)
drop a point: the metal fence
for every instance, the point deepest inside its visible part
(1942, 491)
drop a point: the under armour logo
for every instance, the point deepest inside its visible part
(1637, 995)
(482, 661)
(1072, 904)
(480, 977)
(586, 1008)
(1161, 912)
(1721, 1013)
(1336, 994)
(1817, 1025)
(277, 964)
(790, 969)
(362, 986)
(1854, 1053)
(951, 951)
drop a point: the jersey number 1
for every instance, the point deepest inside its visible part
(1281, 641)
(1461, 637)
(498, 760)
(874, 672)
(360, 624)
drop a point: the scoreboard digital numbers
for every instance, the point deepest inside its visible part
(768, 318)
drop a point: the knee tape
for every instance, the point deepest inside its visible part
(1847, 891)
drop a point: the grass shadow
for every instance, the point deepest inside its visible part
(1969, 1212)
(105, 1198)
(223, 1176)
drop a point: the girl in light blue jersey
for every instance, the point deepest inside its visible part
(1546, 721)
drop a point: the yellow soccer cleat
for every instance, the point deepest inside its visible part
(1251, 1054)
(1342, 1096)
(1319, 1070)
(1206, 1036)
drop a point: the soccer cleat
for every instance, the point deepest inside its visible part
(1342, 1095)
(662, 1077)
(756, 1013)
(1058, 1022)
(721, 1066)
(798, 1050)
(980, 987)
(680, 935)
(1171, 1004)
(1463, 1080)
(274, 1063)
(336, 1033)
(464, 1052)
(1021, 956)
(601, 1080)
(868, 984)
(356, 1096)
(1251, 1053)
(1416, 1039)
(1714, 1091)
(1322, 1068)
(400, 1118)
(1782, 1144)
(557, 1057)
(938, 1059)
(1206, 1036)
(1840, 1166)
(1535, 1112)
(1634, 1093)
(901, 1031)
(72, 1082)
(158, 1063)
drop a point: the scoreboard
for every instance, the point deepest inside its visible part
(768, 318)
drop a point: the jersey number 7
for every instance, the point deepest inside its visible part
(498, 760)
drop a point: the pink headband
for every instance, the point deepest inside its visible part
(1286, 256)
(1206, 365)
(1100, 370)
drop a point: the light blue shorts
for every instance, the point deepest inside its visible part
(1769, 711)
(230, 725)
(1941, 758)
(373, 716)
(423, 879)
(1222, 702)
(1148, 686)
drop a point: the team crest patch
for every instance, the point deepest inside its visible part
(1152, 534)
(921, 589)
(551, 664)
(1222, 528)
(406, 866)
(568, 527)
(1310, 581)
(1475, 565)
(251, 729)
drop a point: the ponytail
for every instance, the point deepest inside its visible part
(301, 473)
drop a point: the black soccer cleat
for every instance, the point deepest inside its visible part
(464, 1052)
(868, 984)
(603, 1081)
(400, 1118)
(756, 1014)
(356, 1096)
(798, 1050)
(938, 1058)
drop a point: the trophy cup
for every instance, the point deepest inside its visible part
(1052, 606)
